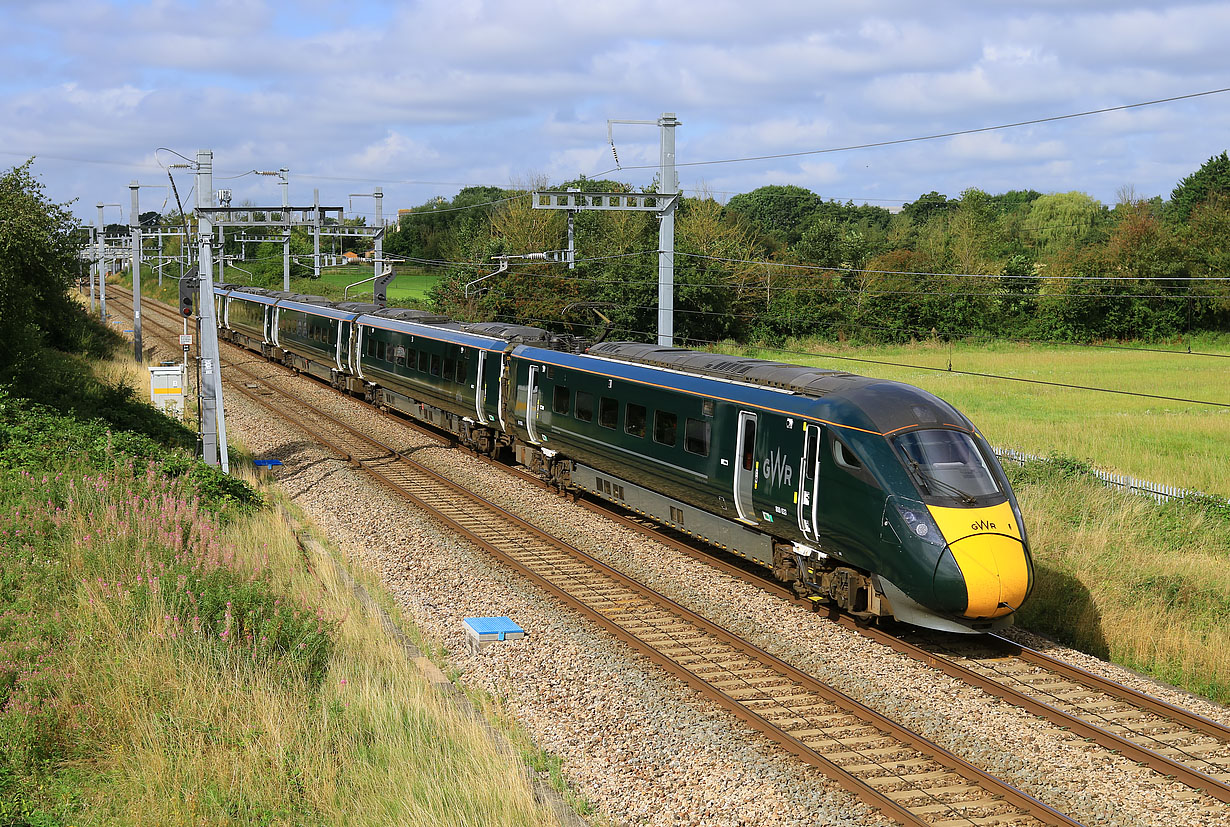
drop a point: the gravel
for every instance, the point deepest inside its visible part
(639, 745)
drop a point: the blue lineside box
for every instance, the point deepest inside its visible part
(484, 631)
(266, 466)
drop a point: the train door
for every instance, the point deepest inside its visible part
(745, 467)
(273, 323)
(531, 405)
(480, 387)
(266, 317)
(809, 482)
(505, 389)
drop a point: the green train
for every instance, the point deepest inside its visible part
(874, 496)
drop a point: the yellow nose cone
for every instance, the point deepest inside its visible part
(996, 574)
(986, 544)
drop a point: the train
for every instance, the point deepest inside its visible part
(873, 497)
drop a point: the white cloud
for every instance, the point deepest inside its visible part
(481, 91)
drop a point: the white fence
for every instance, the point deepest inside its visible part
(1160, 493)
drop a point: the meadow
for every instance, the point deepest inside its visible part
(1162, 441)
(410, 286)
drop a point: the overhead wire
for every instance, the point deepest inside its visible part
(919, 138)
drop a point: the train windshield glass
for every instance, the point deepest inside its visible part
(947, 464)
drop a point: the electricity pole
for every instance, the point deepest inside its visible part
(668, 187)
(93, 271)
(284, 176)
(134, 223)
(102, 267)
(378, 195)
(316, 233)
(213, 416)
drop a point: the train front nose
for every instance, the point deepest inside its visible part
(996, 573)
(985, 558)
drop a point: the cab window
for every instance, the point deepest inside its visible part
(946, 464)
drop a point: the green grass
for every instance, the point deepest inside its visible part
(1122, 577)
(411, 284)
(168, 656)
(408, 289)
(1167, 442)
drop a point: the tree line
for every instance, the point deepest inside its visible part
(782, 261)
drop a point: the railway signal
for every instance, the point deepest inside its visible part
(189, 285)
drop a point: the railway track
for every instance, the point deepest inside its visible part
(887, 766)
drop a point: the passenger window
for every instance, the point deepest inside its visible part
(412, 356)
(449, 368)
(400, 357)
(696, 436)
(380, 350)
(423, 360)
(435, 364)
(461, 371)
(634, 419)
(749, 443)
(608, 412)
(664, 426)
(585, 406)
(559, 400)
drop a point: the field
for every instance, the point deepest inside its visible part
(1167, 442)
(411, 284)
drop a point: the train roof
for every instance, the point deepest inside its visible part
(519, 333)
(797, 378)
(886, 405)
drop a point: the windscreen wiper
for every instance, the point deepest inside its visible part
(927, 480)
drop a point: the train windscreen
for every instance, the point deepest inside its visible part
(947, 464)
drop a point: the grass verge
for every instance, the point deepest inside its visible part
(1122, 577)
(168, 656)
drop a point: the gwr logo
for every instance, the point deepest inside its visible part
(776, 468)
(982, 525)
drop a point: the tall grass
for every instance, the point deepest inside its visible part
(168, 656)
(1121, 576)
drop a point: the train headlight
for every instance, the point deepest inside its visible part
(917, 520)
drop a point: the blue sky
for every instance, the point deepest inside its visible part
(425, 97)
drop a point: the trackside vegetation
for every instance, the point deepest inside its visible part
(1122, 577)
(168, 655)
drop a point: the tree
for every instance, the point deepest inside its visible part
(1063, 219)
(927, 206)
(1212, 179)
(779, 211)
(38, 263)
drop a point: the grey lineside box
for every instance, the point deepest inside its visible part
(484, 631)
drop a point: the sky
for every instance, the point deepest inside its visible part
(423, 97)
